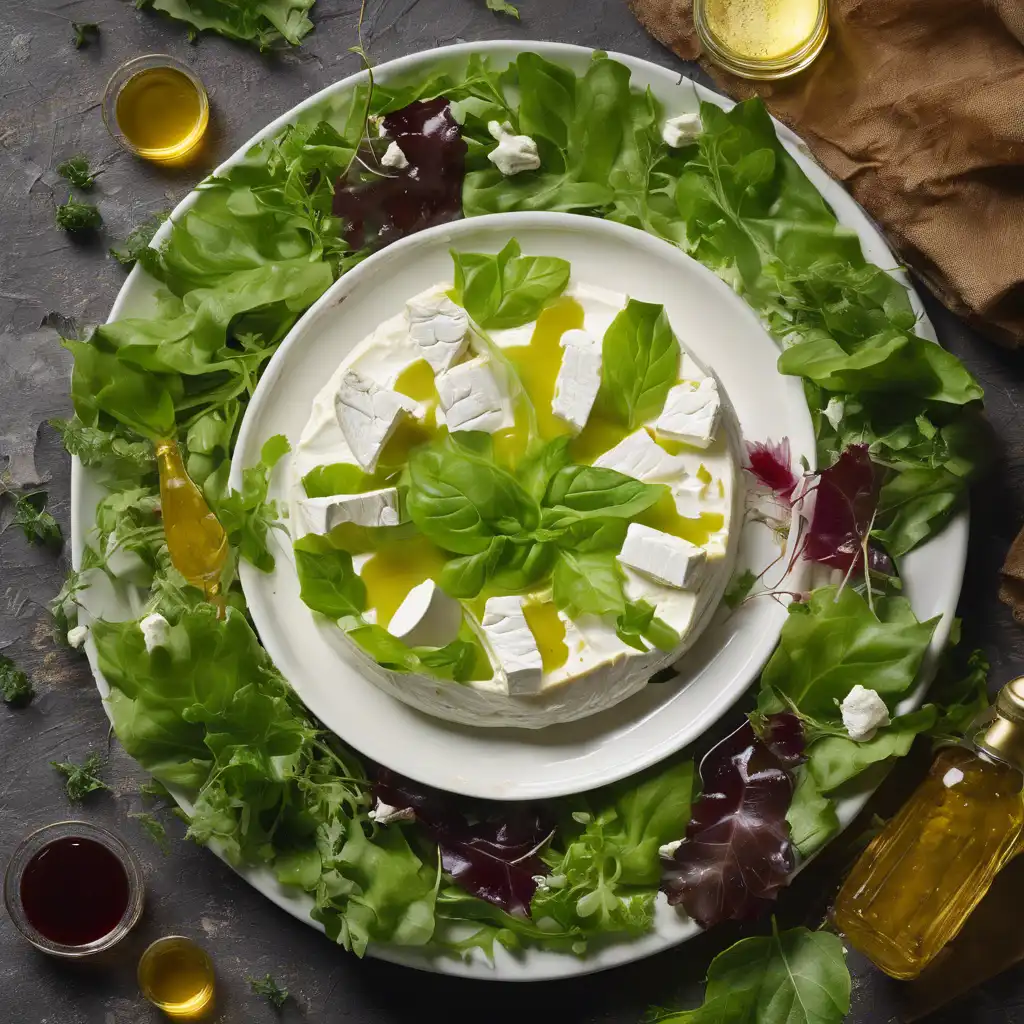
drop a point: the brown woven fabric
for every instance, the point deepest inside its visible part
(918, 107)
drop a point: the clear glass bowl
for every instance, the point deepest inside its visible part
(31, 845)
(132, 69)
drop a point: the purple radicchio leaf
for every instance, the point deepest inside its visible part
(493, 857)
(845, 500)
(771, 466)
(736, 854)
(399, 202)
(783, 735)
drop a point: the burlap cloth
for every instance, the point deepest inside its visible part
(917, 106)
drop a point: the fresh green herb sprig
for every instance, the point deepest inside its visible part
(503, 7)
(16, 687)
(275, 994)
(82, 779)
(154, 828)
(85, 32)
(75, 171)
(137, 242)
(78, 217)
(31, 517)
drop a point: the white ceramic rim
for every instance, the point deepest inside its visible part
(670, 928)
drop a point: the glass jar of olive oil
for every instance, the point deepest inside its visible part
(761, 39)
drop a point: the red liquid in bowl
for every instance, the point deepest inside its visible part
(74, 891)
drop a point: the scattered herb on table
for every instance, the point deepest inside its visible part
(263, 22)
(267, 987)
(16, 686)
(75, 171)
(503, 7)
(85, 32)
(31, 517)
(75, 216)
(154, 828)
(134, 247)
(82, 778)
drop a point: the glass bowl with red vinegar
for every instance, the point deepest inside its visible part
(73, 889)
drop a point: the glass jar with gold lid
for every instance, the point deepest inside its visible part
(761, 39)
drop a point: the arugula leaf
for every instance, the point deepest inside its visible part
(84, 33)
(275, 994)
(812, 817)
(588, 584)
(453, 661)
(328, 583)
(828, 644)
(154, 828)
(246, 515)
(136, 245)
(107, 450)
(640, 363)
(507, 289)
(31, 517)
(82, 779)
(791, 977)
(16, 687)
(77, 217)
(257, 21)
(75, 171)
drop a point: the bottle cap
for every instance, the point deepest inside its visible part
(1004, 738)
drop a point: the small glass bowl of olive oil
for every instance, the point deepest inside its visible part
(155, 107)
(761, 39)
(176, 976)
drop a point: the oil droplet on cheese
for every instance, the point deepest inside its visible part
(763, 29)
(665, 517)
(395, 568)
(549, 632)
(416, 381)
(161, 113)
(538, 363)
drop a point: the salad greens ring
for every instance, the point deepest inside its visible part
(385, 864)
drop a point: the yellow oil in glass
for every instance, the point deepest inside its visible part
(196, 541)
(176, 976)
(161, 113)
(763, 29)
(395, 568)
(549, 632)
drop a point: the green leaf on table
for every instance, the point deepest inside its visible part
(15, 686)
(82, 779)
(507, 289)
(588, 584)
(328, 583)
(276, 995)
(811, 816)
(137, 242)
(792, 977)
(503, 7)
(84, 33)
(38, 526)
(262, 23)
(640, 363)
(154, 828)
(77, 217)
(453, 661)
(75, 171)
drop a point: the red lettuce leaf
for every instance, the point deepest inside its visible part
(771, 465)
(783, 735)
(845, 500)
(429, 191)
(736, 854)
(493, 856)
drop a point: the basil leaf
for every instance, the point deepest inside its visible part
(547, 99)
(638, 623)
(453, 661)
(588, 584)
(640, 363)
(507, 289)
(461, 501)
(524, 565)
(328, 583)
(336, 478)
(465, 577)
(587, 535)
(587, 492)
(535, 471)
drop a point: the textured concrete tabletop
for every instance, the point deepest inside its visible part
(50, 109)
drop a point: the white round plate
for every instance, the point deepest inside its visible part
(502, 763)
(932, 574)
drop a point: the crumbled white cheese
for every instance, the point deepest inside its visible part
(386, 814)
(156, 631)
(514, 153)
(440, 329)
(394, 158)
(427, 617)
(668, 851)
(513, 643)
(372, 508)
(470, 397)
(368, 415)
(579, 378)
(681, 130)
(77, 636)
(382, 130)
(834, 412)
(691, 415)
(864, 712)
(642, 458)
(664, 558)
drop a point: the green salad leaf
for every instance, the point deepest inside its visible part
(503, 7)
(15, 686)
(588, 583)
(84, 33)
(38, 525)
(82, 779)
(276, 995)
(134, 247)
(336, 478)
(262, 22)
(328, 582)
(75, 171)
(578, 493)
(453, 661)
(812, 817)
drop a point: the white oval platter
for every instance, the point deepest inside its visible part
(932, 574)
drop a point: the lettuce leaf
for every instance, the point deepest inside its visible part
(262, 22)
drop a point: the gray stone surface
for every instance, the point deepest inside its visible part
(50, 109)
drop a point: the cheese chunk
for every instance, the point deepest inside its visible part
(427, 617)
(440, 330)
(681, 130)
(394, 158)
(513, 643)
(579, 378)
(642, 458)
(156, 631)
(864, 713)
(514, 153)
(690, 496)
(691, 415)
(373, 508)
(661, 557)
(77, 636)
(470, 397)
(387, 814)
(368, 415)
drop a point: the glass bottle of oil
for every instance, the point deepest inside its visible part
(196, 541)
(917, 883)
(176, 976)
